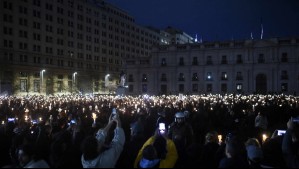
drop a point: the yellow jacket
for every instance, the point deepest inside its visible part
(171, 156)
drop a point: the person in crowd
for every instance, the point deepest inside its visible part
(290, 144)
(235, 154)
(165, 149)
(93, 155)
(149, 158)
(28, 159)
(254, 153)
(181, 133)
(261, 124)
(209, 150)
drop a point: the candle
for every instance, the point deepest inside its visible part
(26, 118)
(94, 116)
(3, 122)
(264, 137)
(220, 138)
(40, 119)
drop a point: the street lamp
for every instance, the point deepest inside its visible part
(107, 80)
(74, 79)
(42, 80)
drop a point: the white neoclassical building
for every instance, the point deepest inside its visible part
(248, 66)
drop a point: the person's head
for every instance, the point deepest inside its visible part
(91, 148)
(180, 117)
(254, 154)
(212, 137)
(25, 154)
(234, 148)
(253, 142)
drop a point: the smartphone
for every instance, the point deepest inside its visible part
(34, 121)
(281, 132)
(73, 121)
(114, 112)
(296, 120)
(11, 119)
(162, 128)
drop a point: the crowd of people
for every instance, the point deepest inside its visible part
(194, 131)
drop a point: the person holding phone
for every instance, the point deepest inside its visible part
(92, 147)
(166, 152)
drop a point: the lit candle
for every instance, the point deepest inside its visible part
(220, 138)
(26, 118)
(40, 119)
(94, 116)
(3, 122)
(264, 137)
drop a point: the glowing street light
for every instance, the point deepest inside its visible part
(74, 79)
(42, 79)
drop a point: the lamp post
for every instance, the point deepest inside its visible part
(74, 79)
(107, 80)
(42, 80)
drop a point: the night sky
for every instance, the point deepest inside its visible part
(218, 19)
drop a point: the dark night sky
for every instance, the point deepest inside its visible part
(218, 19)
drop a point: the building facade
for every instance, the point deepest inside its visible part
(76, 42)
(249, 66)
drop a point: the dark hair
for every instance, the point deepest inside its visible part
(149, 153)
(235, 147)
(160, 144)
(90, 148)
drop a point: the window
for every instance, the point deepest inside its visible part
(181, 88)
(195, 87)
(23, 85)
(181, 63)
(261, 58)
(144, 78)
(163, 62)
(23, 58)
(239, 76)
(239, 59)
(163, 77)
(224, 87)
(209, 60)
(209, 87)
(284, 75)
(224, 60)
(284, 87)
(23, 74)
(195, 61)
(194, 77)
(181, 77)
(239, 87)
(223, 76)
(284, 57)
(209, 76)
